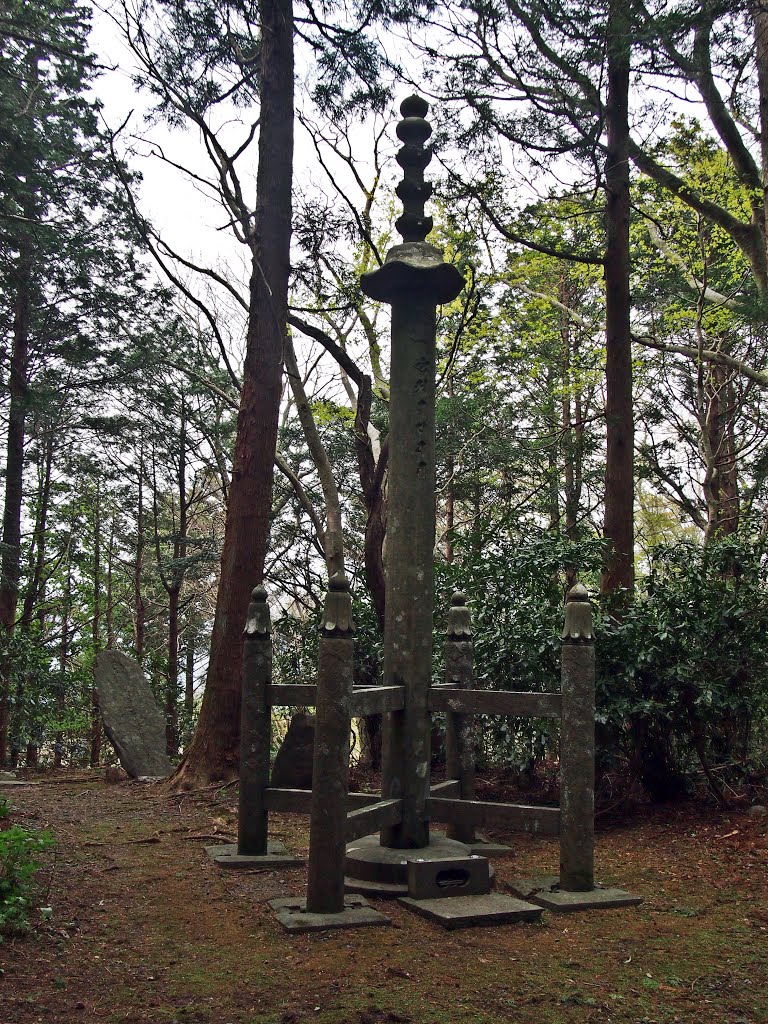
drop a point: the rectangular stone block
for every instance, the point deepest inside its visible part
(293, 915)
(439, 879)
(474, 911)
(226, 856)
(546, 892)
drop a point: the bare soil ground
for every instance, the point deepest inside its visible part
(145, 928)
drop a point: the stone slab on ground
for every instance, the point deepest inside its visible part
(132, 720)
(474, 911)
(293, 916)
(226, 856)
(17, 782)
(488, 848)
(546, 892)
(379, 890)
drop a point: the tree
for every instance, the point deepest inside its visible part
(618, 524)
(68, 266)
(193, 72)
(250, 496)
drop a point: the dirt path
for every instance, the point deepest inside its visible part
(146, 928)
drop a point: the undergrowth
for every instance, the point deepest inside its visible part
(19, 848)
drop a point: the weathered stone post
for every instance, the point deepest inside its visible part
(577, 746)
(255, 728)
(330, 766)
(575, 888)
(413, 280)
(460, 672)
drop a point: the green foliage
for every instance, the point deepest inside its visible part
(685, 664)
(294, 648)
(682, 680)
(516, 592)
(19, 849)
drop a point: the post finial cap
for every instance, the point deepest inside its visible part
(257, 621)
(337, 610)
(459, 625)
(578, 628)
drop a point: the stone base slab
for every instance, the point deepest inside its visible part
(546, 892)
(379, 890)
(277, 856)
(483, 847)
(293, 915)
(473, 911)
(381, 871)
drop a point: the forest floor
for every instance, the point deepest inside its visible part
(146, 928)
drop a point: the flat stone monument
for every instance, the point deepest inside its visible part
(293, 762)
(132, 720)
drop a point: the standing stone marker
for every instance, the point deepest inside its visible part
(293, 762)
(132, 719)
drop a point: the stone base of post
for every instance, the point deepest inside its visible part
(293, 915)
(546, 892)
(277, 856)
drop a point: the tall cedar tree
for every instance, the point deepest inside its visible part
(618, 526)
(212, 753)
(49, 134)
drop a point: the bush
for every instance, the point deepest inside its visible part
(19, 848)
(516, 593)
(683, 673)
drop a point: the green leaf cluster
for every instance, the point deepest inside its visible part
(19, 850)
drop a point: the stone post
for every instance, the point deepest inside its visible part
(413, 280)
(577, 746)
(330, 766)
(255, 728)
(459, 746)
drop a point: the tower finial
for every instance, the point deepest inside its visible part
(578, 628)
(413, 157)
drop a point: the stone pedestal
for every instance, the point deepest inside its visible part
(376, 870)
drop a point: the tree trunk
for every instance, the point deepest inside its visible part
(173, 589)
(10, 563)
(189, 681)
(172, 681)
(213, 753)
(721, 483)
(618, 527)
(36, 587)
(333, 538)
(760, 17)
(61, 693)
(110, 609)
(96, 731)
(572, 425)
(139, 608)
